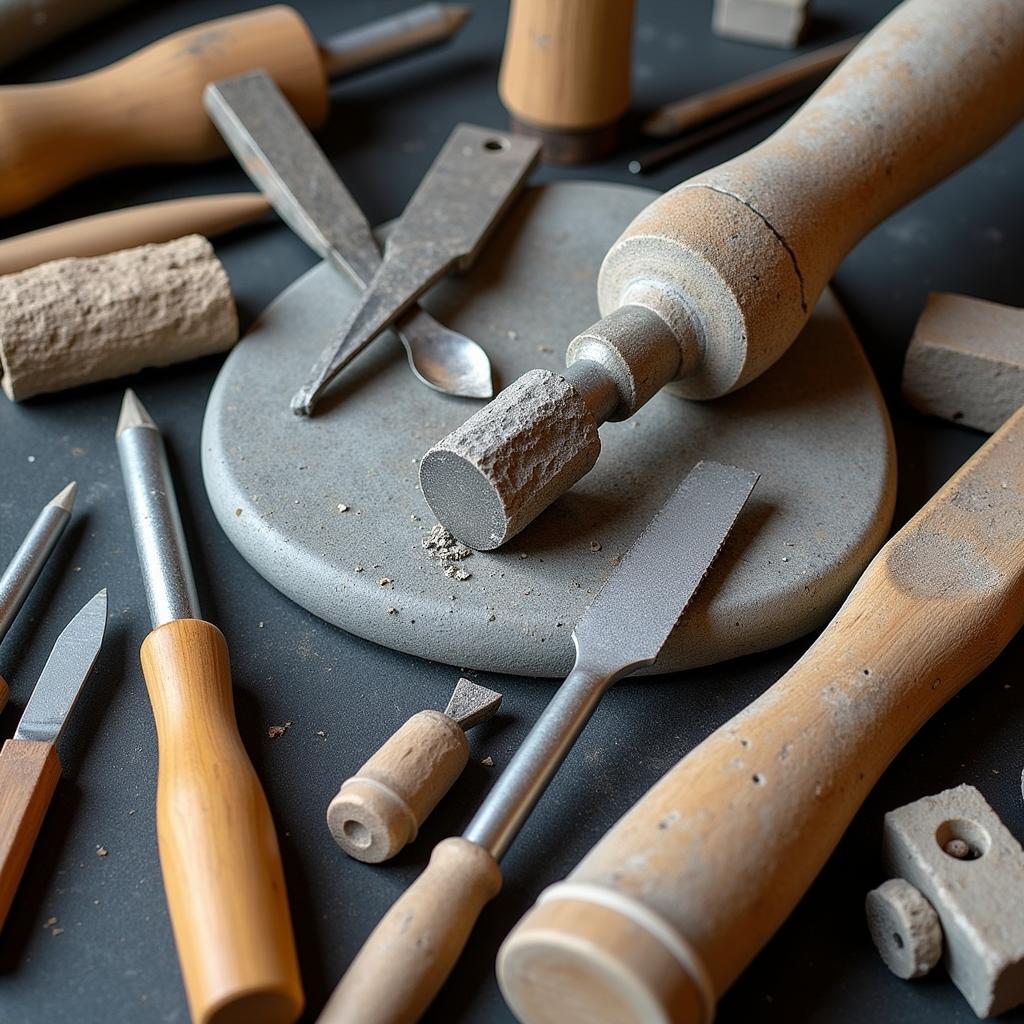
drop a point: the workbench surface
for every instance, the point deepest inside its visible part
(88, 938)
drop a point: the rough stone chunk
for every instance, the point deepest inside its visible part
(775, 22)
(904, 928)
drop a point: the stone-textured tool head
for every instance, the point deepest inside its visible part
(471, 704)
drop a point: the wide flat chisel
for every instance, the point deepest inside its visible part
(410, 953)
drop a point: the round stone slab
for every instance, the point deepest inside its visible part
(329, 511)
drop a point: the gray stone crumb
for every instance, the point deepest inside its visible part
(441, 546)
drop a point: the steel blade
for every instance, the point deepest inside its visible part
(639, 605)
(67, 668)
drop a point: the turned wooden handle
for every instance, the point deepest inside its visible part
(148, 108)
(683, 892)
(740, 253)
(137, 225)
(410, 953)
(218, 849)
(380, 809)
(29, 771)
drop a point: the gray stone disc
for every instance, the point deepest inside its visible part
(814, 426)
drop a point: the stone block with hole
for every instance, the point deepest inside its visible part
(953, 848)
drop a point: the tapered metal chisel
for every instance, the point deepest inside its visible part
(218, 849)
(410, 953)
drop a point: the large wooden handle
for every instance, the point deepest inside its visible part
(678, 898)
(148, 108)
(29, 771)
(410, 953)
(735, 258)
(218, 849)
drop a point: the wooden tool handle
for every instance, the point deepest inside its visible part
(678, 898)
(218, 850)
(735, 258)
(29, 771)
(148, 107)
(410, 953)
(380, 809)
(137, 225)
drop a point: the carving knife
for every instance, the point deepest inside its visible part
(29, 765)
(468, 188)
(283, 160)
(410, 953)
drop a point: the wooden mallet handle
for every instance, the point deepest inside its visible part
(665, 912)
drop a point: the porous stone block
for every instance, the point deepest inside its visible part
(904, 928)
(775, 22)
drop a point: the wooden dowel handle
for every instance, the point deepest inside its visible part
(684, 891)
(410, 953)
(29, 771)
(218, 849)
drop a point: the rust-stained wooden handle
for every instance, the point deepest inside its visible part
(29, 770)
(148, 107)
(664, 913)
(218, 849)
(410, 953)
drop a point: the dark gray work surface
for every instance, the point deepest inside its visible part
(114, 959)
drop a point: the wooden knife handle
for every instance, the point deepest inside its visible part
(735, 258)
(29, 770)
(410, 953)
(218, 849)
(148, 108)
(682, 893)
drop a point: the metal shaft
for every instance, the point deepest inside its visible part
(159, 537)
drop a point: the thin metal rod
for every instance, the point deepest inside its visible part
(159, 537)
(21, 574)
(500, 817)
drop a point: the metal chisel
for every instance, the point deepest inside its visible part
(29, 765)
(410, 953)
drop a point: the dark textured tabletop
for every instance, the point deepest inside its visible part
(88, 938)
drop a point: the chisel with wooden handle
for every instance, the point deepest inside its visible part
(714, 280)
(218, 850)
(664, 913)
(148, 107)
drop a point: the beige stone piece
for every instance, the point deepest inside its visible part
(966, 361)
(775, 22)
(904, 928)
(977, 898)
(75, 321)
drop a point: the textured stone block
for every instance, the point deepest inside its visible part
(775, 22)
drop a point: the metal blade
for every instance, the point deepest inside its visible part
(67, 668)
(639, 605)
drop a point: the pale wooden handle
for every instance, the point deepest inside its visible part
(218, 849)
(694, 880)
(138, 225)
(742, 252)
(29, 771)
(410, 953)
(148, 107)
(380, 809)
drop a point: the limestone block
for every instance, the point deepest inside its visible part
(775, 22)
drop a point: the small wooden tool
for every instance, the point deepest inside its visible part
(380, 809)
(664, 913)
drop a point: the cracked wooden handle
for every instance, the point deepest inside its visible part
(735, 258)
(410, 953)
(663, 914)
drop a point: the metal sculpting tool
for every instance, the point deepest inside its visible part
(410, 953)
(218, 850)
(29, 765)
(467, 189)
(283, 160)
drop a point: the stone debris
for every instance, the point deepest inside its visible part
(447, 551)
(276, 731)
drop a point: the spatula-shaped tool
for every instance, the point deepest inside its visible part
(410, 953)
(29, 765)
(464, 194)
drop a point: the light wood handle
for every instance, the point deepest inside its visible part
(218, 849)
(148, 107)
(683, 892)
(380, 808)
(735, 258)
(410, 953)
(137, 225)
(29, 771)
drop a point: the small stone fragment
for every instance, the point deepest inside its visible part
(276, 731)
(101, 851)
(342, 507)
(595, 545)
(384, 581)
(488, 762)
(446, 550)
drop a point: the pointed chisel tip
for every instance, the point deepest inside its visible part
(66, 499)
(133, 414)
